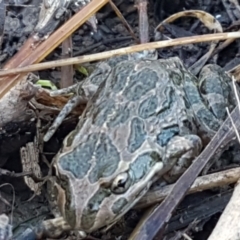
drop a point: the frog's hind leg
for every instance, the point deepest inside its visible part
(215, 87)
(71, 104)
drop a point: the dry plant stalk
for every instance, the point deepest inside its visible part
(202, 183)
(209, 22)
(67, 71)
(121, 51)
(15, 91)
(124, 21)
(236, 73)
(228, 226)
(231, 214)
(37, 54)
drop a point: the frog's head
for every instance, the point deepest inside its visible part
(101, 182)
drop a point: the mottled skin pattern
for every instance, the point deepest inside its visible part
(146, 120)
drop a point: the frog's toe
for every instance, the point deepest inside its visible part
(52, 228)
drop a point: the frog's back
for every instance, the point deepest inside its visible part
(136, 108)
(124, 129)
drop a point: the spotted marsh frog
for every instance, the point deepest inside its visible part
(148, 119)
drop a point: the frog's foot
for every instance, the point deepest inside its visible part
(71, 104)
(52, 228)
(180, 152)
(5, 228)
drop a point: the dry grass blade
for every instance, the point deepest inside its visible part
(235, 72)
(121, 51)
(42, 50)
(231, 214)
(228, 224)
(67, 71)
(238, 105)
(156, 222)
(202, 183)
(125, 23)
(143, 20)
(209, 21)
(236, 4)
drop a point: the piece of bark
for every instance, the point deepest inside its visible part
(13, 107)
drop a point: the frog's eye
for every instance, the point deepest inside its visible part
(121, 183)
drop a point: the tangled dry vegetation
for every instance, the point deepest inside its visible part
(57, 41)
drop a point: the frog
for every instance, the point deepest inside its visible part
(146, 120)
